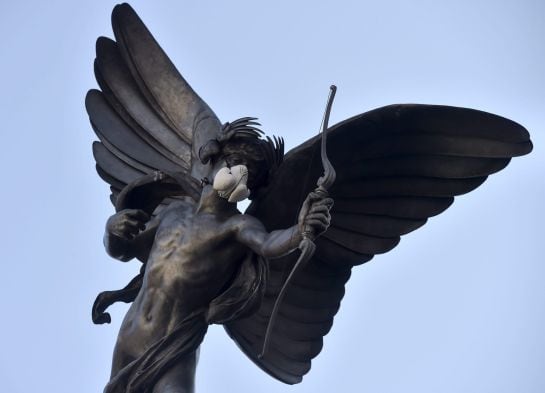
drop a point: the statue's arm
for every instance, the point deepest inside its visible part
(251, 232)
(129, 234)
(314, 216)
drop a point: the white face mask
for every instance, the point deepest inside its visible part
(231, 183)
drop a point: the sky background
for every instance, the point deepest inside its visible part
(458, 306)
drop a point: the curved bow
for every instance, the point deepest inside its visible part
(307, 245)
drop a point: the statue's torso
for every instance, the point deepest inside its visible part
(192, 259)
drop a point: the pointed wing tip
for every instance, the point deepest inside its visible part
(122, 8)
(91, 93)
(96, 146)
(122, 13)
(90, 100)
(529, 147)
(103, 43)
(293, 381)
(522, 135)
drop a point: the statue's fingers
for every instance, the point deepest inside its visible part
(130, 235)
(133, 226)
(131, 223)
(325, 202)
(319, 209)
(141, 225)
(322, 218)
(317, 224)
(137, 214)
(119, 230)
(314, 197)
(318, 205)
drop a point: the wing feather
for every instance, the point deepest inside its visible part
(448, 167)
(302, 314)
(115, 184)
(114, 166)
(376, 225)
(302, 297)
(331, 253)
(396, 186)
(416, 143)
(360, 243)
(411, 207)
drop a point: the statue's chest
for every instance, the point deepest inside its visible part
(189, 233)
(190, 247)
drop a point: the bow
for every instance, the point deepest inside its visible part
(306, 245)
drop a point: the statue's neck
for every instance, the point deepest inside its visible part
(211, 202)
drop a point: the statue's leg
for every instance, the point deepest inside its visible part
(180, 378)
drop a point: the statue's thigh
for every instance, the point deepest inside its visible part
(120, 359)
(180, 378)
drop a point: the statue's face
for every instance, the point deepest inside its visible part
(230, 183)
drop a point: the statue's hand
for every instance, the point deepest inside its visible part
(127, 223)
(314, 216)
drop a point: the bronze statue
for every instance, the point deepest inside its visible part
(176, 174)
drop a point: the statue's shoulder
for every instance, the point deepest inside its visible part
(180, 206)
(244, 221)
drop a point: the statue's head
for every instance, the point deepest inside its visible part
(231, 183)
(244, 161)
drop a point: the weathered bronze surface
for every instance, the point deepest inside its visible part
(176, 173)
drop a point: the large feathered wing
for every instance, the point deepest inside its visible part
(146, 115)
(396, 167)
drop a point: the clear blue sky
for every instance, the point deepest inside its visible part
(458, 306)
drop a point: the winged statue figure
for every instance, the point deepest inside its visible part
(176, 174)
